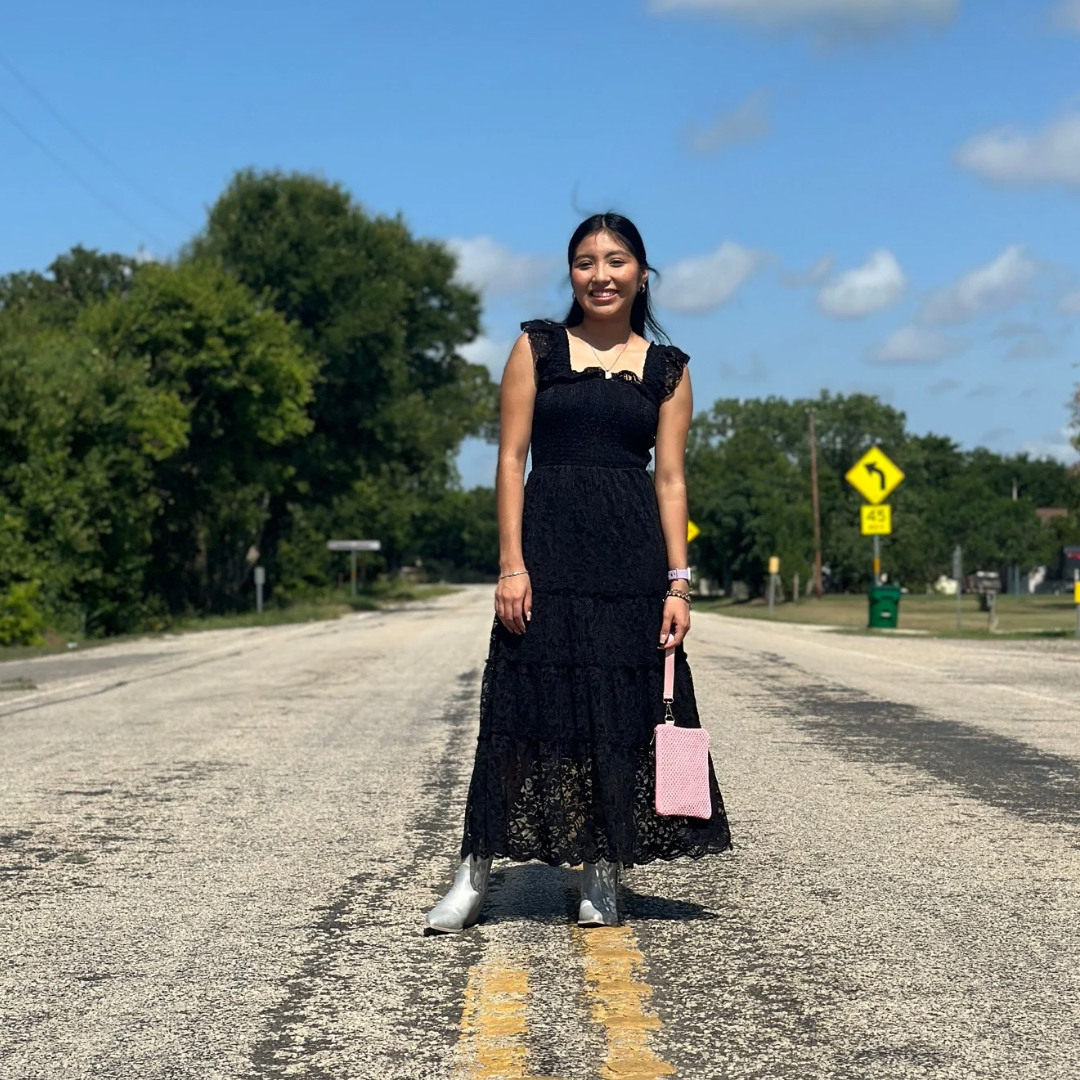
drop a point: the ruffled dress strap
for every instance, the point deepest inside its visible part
(668, 370)
(545, 337)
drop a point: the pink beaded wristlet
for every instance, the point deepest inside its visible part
(682, 758)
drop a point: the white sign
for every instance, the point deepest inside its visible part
(354, 545)
(260, 575)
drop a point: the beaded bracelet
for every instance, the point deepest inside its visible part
(681, 595)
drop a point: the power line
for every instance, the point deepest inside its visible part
(98, 153)
(79, 179)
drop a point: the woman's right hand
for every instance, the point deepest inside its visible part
(513, 602)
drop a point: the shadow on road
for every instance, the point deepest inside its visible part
(535, 892)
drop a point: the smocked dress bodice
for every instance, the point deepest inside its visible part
(586, 418)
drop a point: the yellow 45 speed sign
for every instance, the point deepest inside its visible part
(875, 520)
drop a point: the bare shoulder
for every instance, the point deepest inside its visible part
(521, 363)
(522, 350)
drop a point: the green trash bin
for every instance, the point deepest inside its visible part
(884, 606)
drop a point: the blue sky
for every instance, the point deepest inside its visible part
(872, 195)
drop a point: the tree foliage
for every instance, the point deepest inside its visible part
(378, 309)
(21, 618)
(243, 384)
(297, 375)
(748, 473)
(137, 445)
(383, 319)
(80, 438)
(72, 283)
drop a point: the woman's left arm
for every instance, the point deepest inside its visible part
(670, 480)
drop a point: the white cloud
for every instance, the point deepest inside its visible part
(993, 287)
(492, 267)
(876, 284)
(1067, 15)
(912, 345)
(1071, 304)
(705, 282)
(817, 273)
(1007, 155)
(830, 18)
(746, 123)
(492, 354)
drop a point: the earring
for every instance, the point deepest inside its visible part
(642, 289)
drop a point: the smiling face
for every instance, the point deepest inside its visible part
(606, 277)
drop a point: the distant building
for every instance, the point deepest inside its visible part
(1046, 514)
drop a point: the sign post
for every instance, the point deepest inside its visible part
(774, 573)
(876, 521)
(260, 581)
(353, 546)
(875, 477)
(958, 573)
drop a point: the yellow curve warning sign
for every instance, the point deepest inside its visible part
(874, 476)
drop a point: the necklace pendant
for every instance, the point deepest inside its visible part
(607, 374)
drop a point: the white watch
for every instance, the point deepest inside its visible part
(683, 572)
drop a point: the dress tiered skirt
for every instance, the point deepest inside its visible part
(564, 769)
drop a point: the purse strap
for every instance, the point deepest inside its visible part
(669, 682)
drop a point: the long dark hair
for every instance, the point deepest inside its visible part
(642, 319)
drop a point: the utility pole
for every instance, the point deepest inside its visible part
(1016, 565)
(817, 505)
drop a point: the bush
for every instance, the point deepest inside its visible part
(20, 619)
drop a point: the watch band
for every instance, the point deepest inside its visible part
(682, 572)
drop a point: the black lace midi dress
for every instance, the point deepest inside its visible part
(564, 769)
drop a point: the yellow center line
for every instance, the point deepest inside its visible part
(493, 1042)
(494, 1025)
(613, 967)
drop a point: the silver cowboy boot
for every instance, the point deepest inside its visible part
(599, 894)
(460, 907)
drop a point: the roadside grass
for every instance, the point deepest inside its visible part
(308, 611)
(378, 596)
(1017, 616)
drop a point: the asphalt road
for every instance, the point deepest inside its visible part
(216, 852)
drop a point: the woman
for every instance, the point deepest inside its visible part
(593, 584)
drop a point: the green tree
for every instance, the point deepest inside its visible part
(460, 535)
(73, 281)
(81, 435)
(21, 619)
(748, 474)
(381, 313)
(244, 383)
